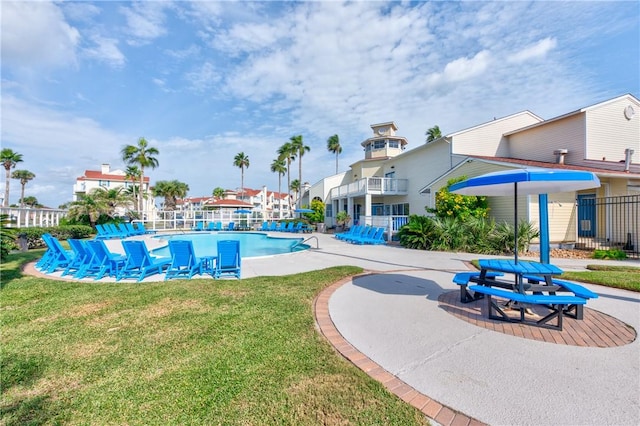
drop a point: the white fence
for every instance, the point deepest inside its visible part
(32, 217)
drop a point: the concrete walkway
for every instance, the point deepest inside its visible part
(391, 324)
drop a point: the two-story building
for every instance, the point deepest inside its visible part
(391, 182)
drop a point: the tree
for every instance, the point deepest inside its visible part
(24, 176)
(285, 152)
(295, 187)
(299, 148)
(218, 193)
(241, 160)
(9, 160)
(132, 173)
(279, 166)
(171, 190)
(114, 198)
(459, 206)
(141, 155)
(89, 206)
(433, 134)
(333, 145)
(31, 201)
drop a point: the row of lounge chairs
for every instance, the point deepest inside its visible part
(213, 226)
(363, 235)
(92, 258)
(285, 227)
(121, 230)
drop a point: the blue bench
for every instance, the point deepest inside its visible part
(574, 288)
(463, 278)
(556, 304)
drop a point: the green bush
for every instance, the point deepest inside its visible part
(458, 206)
(34, 235)
(612, 254)
(418, 233)
(7, 236)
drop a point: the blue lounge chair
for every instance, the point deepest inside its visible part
(145, 230)
(228, 259)
(103, 233)
(367, 232)
(231, 226)
(132, 230)
(199, 226)
(218, 226)
(211, 226)
(81, 256)
(48, 254)
(354, 230)
(281, 227)
(140, 264)
(376, 238)
(113, 231)
(265, 226)
(289, 227)
(59, 258)
(102, 261)
(273, 226)
(183, 260)
(124, 230)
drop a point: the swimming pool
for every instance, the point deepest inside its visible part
(252, 244)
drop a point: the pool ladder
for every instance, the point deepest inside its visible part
(305, 240)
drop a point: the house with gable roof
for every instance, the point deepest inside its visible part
(603, 138)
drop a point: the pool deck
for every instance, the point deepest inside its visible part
(394, 323)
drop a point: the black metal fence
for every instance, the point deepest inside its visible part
(609, 223)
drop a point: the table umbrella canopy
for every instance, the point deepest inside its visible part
(304, 211)
(527, 182)
(242, 211)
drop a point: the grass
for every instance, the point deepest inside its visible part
(184, 352)
(624, 277)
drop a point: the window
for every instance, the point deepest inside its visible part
(394, 144)
(104, 183)
(329, 210)
(379, 144)
(390, 175)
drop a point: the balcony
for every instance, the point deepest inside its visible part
(372, 186)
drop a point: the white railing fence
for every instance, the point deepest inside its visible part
(32, 217)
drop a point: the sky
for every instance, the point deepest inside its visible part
(203, 81)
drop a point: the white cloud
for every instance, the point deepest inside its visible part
(36, 35)
(106, 50)
(536, 50)
(146, 21)
(203, 78)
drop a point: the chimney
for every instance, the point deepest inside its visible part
(560, 153)
(105, 169)
(627, 158)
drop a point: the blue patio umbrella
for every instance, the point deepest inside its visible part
(304, 211)
(242, 211)
(527, 182)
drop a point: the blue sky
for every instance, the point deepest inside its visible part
(203, 81)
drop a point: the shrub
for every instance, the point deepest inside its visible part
(450, 205)
(418, 233)
(7, 236)
(34, 235)
(612, 254)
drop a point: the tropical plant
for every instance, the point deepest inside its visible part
(89, 207)
(613, 254)
(218, 192)
(7, 236)
(318, 212)
(343, 218)
(295, 187)
(114, 198)
(132, 173)
(503, 237)
(141, 155)
(286, 153)
(171, 190)
(459, 206)
(333, 145)
(433, 134)
(279, 166)
(31, 201)
(241, 160)
(24, 176)
(9, 159)
(418, 233)
(299, 148)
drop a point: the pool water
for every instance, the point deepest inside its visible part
(252, 244)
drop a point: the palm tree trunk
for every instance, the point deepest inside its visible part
(289, 182)
(336, 162)
(5, 203)
(140, 192)
(22, 196)
(279, 195)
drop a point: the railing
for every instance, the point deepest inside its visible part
(609, 223)
(372, 185)
(32, 217)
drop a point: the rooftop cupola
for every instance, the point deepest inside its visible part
(384, 143)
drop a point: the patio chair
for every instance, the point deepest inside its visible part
(218, 226)
(228, 259)
(102, 261)
(144, 230)
(140, 264)
(297, 227)
(80, 258)
(289, 227)
(281, 227)
(265, 226)
(211, 226)
(113, 230)
(354, 230)
(183, 260)
(231, 226)
(122, 227)
(273, 226)
(103, 233)
(367, 232)
(376, 238)
(47, 256)
(59, 257)
(132, 230)
(199, 227)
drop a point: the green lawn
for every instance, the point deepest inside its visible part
(180, 352)
(624, 277)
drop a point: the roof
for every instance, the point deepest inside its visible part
(527, 112)
(388, 123)
(98, 175)
(229, 203)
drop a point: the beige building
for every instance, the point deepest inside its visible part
(390, 182)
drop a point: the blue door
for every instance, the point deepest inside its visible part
(587, 215)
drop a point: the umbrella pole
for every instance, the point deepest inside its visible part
(515, 219)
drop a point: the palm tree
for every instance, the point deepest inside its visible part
(171, 190)
(89, 205)
(24, 176)
(241, 160)
(114, 198)
(333, 145)
(286, 152)
(143, 156)
(132, 173)
(295, 187)
(9, 159)
(31, 201)
(299, 148)
(218, 193)
(433, 134)
(279, 166)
